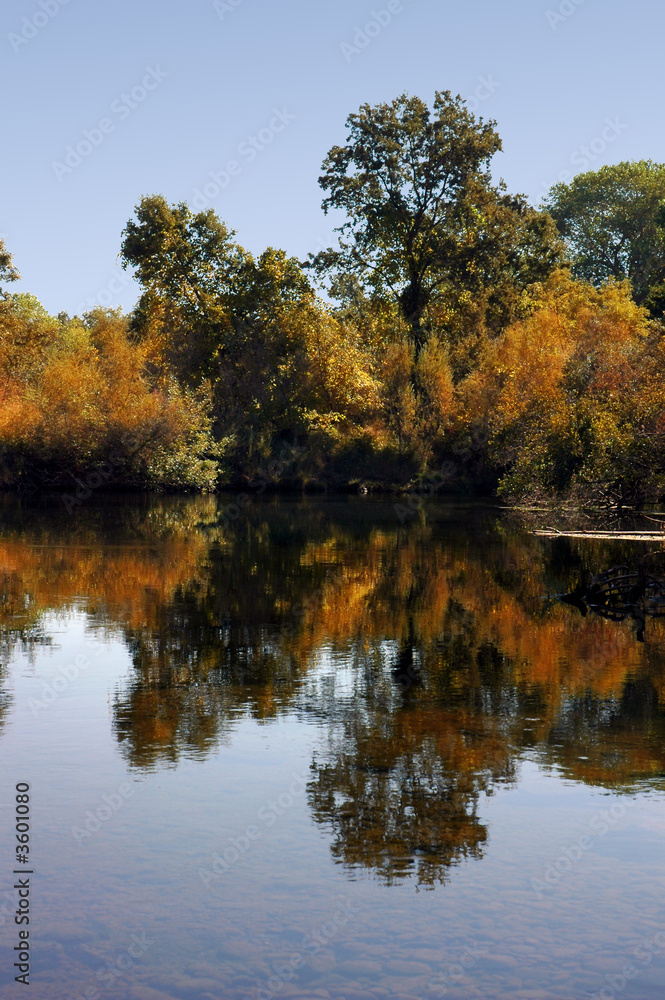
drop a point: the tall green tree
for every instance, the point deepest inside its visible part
(613, 222)
(423, 217)
(189, 267)
(219, 318)
(208, 293)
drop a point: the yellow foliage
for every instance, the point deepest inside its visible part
(558, 389)
(436, 397)
(339, 368)
(19, 417)
(454, 597)
(399, 400)
(85, 395)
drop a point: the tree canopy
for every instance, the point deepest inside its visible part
(7, 270)
(613, 222)
(188, 266)
(466, 341)
(423, 217)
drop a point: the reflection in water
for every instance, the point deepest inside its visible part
(620, 593)
(401, 789)
(427, 651)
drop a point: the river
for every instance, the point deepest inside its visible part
(323, 750)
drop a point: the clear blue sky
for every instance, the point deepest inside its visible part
(181, 86)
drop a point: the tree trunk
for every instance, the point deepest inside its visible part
(413, 301)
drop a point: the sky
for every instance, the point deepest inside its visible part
(234, 104)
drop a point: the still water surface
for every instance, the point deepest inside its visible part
(317, 753)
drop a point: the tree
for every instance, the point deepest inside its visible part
(572, 398)
(613, 222)
(424, 220)
(7, 270)
(188, 266)
(183, 254)
(225, 322)
(76, 394)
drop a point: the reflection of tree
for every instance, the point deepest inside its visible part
(400, 791)
(5, 700)
(445, 618)
(621, 593)
(216, 648)
(20, 617)
(118, 563)
(159, 723)
(612, 742)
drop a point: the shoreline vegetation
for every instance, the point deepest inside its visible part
(455, 340)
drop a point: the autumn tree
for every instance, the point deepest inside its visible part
(77, 393)
(613, 222)
(424, 221)
(248, 331)
(572, 399)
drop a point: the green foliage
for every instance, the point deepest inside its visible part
(185, 256)
(188, 266)
(425, 224)
(276, 365)
(613, 222)
(7, 270)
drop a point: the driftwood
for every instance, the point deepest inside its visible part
(620, 593)
(614, 536)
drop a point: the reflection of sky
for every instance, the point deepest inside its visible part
(139, 873)
(60, 693)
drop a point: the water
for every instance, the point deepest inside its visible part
(315, 752)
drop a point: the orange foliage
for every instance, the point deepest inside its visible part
(566, 394)
(466, 607)
(76, 394)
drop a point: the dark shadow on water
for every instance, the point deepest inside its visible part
(622, 593)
